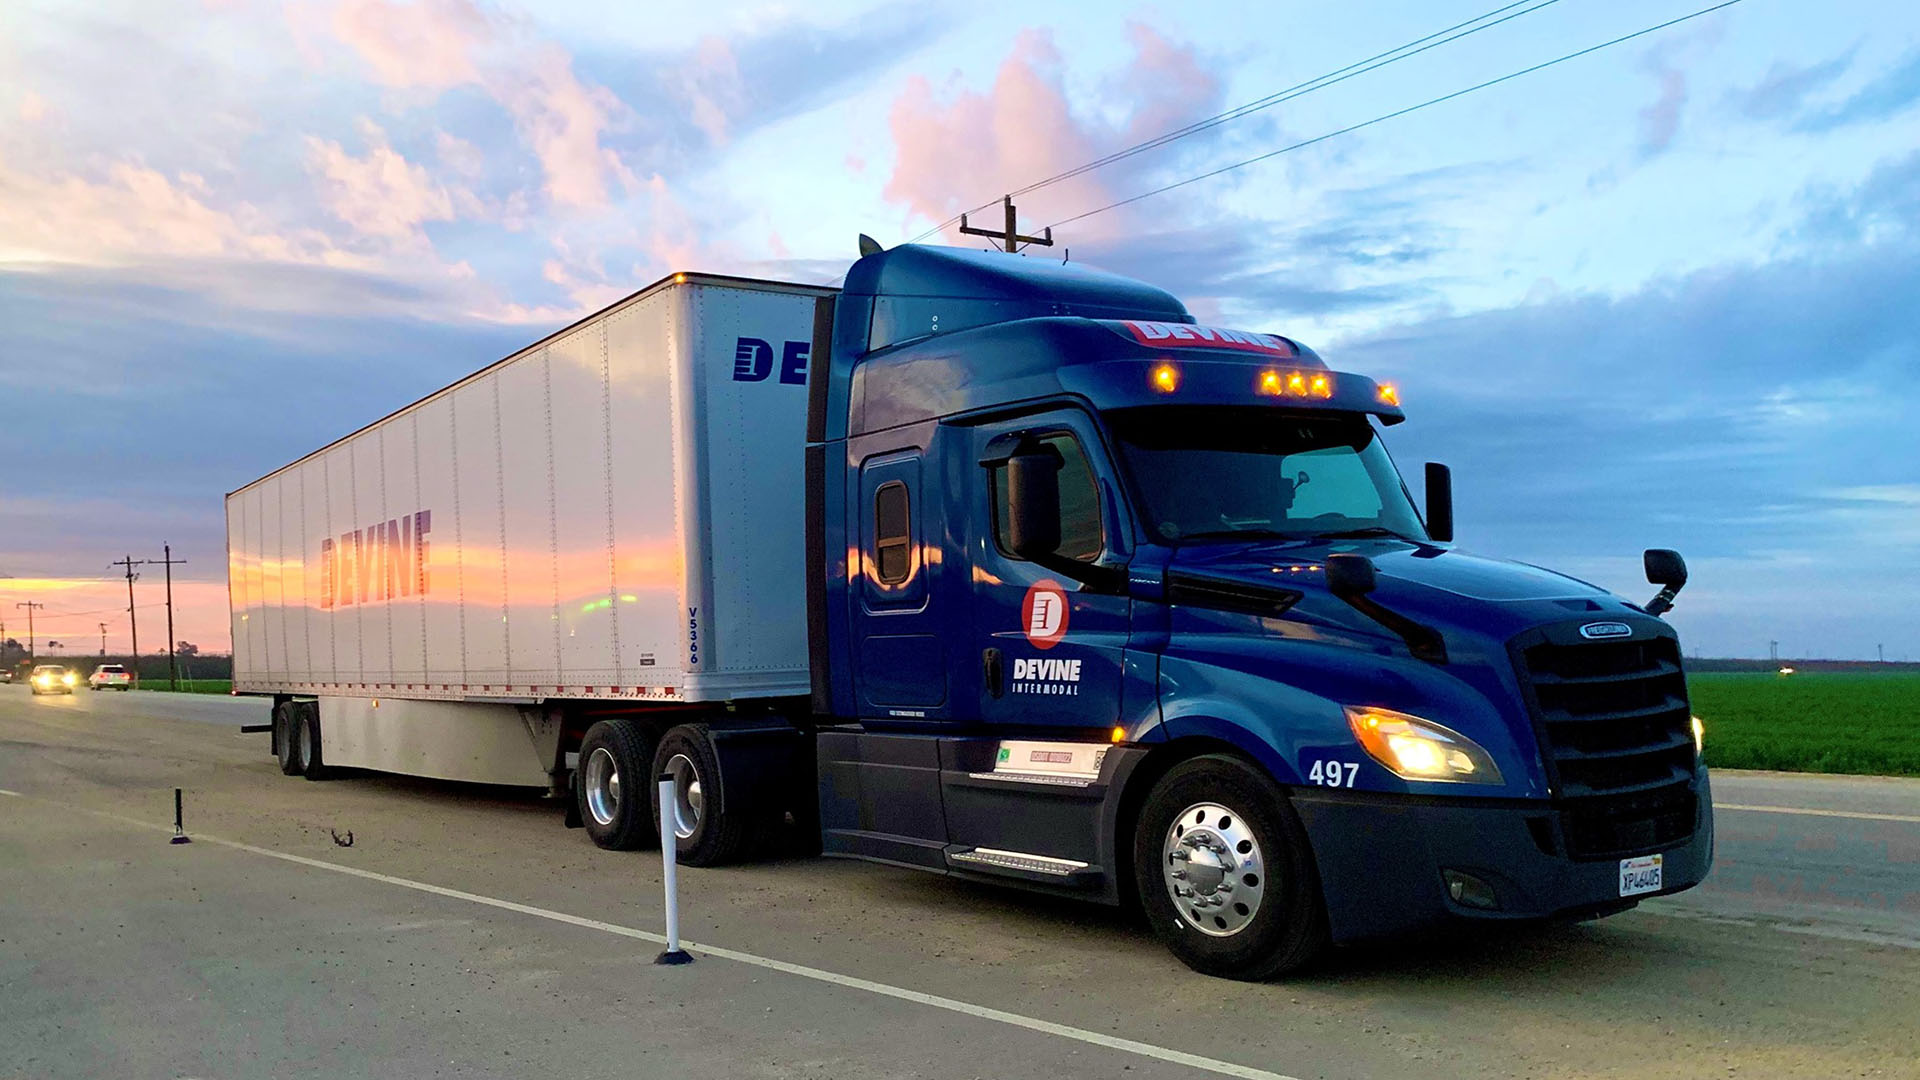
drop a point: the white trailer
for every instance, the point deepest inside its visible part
(613, 514)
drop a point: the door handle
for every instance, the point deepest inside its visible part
(993, 668)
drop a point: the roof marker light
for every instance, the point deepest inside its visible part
(1269, 384)
(1322, 386)
(1389, 394)
(1297, 384)
(1165, 378)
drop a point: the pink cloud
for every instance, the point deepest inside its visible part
(961, 148)
(380, 195)
(437, 45)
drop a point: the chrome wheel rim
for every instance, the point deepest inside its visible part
(688, 799)
(602, 783)
(1214, 869)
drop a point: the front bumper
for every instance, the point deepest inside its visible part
(1381, 860)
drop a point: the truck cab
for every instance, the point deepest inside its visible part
(1108, 603)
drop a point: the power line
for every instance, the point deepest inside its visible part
(1395, 114)
(1377, 61)
(1298, 90)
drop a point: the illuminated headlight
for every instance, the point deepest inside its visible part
(1417, 749)
(1699, 736)
(68, 678)
(42, 680)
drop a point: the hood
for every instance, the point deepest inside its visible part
(1461, 573)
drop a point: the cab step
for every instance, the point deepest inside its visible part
(1020, 864)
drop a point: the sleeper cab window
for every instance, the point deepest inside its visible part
(1082, 536)
(892, 543)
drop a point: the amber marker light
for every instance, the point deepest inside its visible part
(679, 279)
(1165, 378)
(1389, 394)
(1297, 384)
(1270, 383)
(1322, 387)
(1119, 734)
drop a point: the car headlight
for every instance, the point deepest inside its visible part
(1699, 736)
(1416, 749)
(68, 679)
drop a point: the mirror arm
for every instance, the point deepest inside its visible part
(1095, 576)
(1662, 601)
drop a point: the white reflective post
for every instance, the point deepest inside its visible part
(669, 860)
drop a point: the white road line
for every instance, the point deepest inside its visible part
(1857, 815)
(965, 1008)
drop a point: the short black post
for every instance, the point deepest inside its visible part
(179, 826)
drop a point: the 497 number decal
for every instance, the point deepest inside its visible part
(1333, 773)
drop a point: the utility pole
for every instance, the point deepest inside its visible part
(133, 621)
(1882, 649)
(167, 560)
(103, 641)
(29, 605)
(1009, 237)
(1773, 650)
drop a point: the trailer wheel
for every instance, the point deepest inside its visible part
(307, 715)
(711, 832)
(1224, 873)
(611, 788)
(286, 740)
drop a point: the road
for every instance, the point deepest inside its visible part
(465, 933)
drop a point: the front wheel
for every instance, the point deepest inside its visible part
(1224, 873)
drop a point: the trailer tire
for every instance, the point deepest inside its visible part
(609, 790)
(307, 715)
(1220, 828)
(287, 746)
(713, 830)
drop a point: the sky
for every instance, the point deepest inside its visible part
(1662, 295)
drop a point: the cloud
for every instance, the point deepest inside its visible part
(438, 45)
(1660, 121)
(380, 195)
(1893, 92)
(134, 212)
(1784, 88)
(427, 44)
(954, 146)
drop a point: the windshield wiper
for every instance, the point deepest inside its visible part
(1362, 534)
(1242, 534)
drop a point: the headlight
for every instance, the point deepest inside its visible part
(1699, 736)
(1417, 749)
(67, 678)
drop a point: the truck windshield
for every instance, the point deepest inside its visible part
(1220, 472)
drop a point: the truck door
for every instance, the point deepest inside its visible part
(1049, 650)
(901, 659)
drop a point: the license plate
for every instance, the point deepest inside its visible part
(1641, 875)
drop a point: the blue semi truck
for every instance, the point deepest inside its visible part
(1084, 597)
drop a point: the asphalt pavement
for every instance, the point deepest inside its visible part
(465, 933)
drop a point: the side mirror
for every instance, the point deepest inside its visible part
(1439, 502)
(1668, 570)
(1665, 567)
(1033, 503)
(1350, 575)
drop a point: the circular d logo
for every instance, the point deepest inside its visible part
(1043, 614)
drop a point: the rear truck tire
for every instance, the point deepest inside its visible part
(1224, 874)
(711, 831)
(285, 737)
(307, 715)
(610, 790)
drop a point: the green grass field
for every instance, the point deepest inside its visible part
(1830, 722)
(190, 686)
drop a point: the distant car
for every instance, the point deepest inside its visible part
(53, 679)
(110, 677)
(6, 676)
